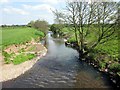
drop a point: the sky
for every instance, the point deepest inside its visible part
(21, 12)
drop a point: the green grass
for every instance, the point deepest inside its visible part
(18, 35)
(110, 47)
(22, 58)
(7, 57)
(115, 66)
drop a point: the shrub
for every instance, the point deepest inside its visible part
(102, 64)
(39, 33)
(115, 66)
(7, 57)
(31, 56)
(22, 58)
(7, 60)
(72, 39)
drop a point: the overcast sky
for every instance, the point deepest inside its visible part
(23, 11)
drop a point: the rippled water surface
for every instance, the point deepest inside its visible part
(61, 68)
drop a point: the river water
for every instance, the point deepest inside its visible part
(61, 68)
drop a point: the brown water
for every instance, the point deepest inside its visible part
(61, 68)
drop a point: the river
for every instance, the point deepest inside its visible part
(61, 68)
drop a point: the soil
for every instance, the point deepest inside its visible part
(11, 71)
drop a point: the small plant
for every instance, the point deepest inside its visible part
(22, 50)
(22, 58)
(7, 57)
(72, 39)
(41, 34)
(102, 65)
(5, 54)
(7, 60)
(31, 56)
(32, 48)
(115, 67)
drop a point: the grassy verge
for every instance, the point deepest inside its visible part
(18, 36)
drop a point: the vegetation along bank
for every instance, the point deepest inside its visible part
(92, 29)
(21, 48)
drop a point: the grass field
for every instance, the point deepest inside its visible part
(17, 35)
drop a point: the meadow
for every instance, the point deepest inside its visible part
(18, 35)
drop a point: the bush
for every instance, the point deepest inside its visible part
(102, 65)
(39, 33)
(31, 56)
(115, 66)
(22, 58)
(7, 60)
(5, 54)
(57, 28)
(40, 25)
(72, 39)
(7, 57)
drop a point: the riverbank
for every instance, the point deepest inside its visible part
(102, 62)
(20, 50)
(11, 71)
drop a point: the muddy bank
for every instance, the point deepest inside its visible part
(11, 71)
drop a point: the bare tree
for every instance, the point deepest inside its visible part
(96, 18)
(58, 17)
(106, 21)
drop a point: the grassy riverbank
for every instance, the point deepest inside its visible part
(17, 43)
(110, 47)
(105, 55)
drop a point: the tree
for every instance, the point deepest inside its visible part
(56, 28)
(58, 17)
(31, 24)
(41, 25)
(97, 19)
(106, 20)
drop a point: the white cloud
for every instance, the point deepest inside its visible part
(43, 1)
(42, 7)
(51, 1)
(4, 1)
(12, 10)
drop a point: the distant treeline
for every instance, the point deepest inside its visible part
(13, 25)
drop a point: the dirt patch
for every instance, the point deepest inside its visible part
(10, 71)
